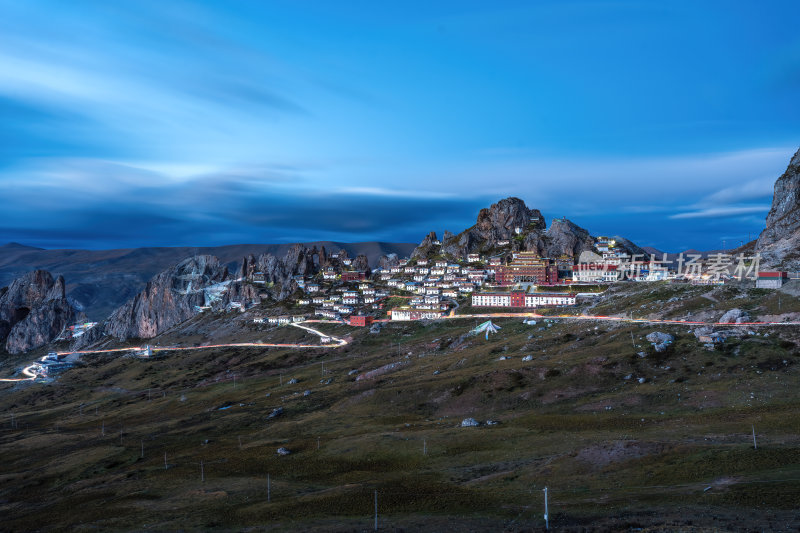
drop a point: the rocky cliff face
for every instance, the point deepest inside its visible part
(170, 298)
(501, 220)
(563, 237)
(33, 311)
(426, 246)
(779, 243)
(278, 274)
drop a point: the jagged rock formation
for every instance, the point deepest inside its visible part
(500, 221)
(386, 262)
(426, 246)
(360, 263)
(564, 237)
(170, 298)
(779, 243)
(278, 274)
(525, 229)
(33, 311)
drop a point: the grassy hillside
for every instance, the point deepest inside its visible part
(623, 437)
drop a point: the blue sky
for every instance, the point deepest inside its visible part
(179, 123)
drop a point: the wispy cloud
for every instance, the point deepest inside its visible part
(723, 212)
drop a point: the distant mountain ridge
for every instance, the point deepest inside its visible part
(100, 281)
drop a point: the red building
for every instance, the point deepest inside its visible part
(517, 298)
(361, 321)
(527, 267)
(354, 276)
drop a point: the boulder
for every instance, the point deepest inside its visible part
(659, 340)
(734, 316)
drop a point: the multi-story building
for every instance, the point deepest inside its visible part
(527, 267)
(594, 273)
(519, 299)
(405, 313)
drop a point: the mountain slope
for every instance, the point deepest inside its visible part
(100, 281)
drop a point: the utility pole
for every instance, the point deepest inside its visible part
(165, 460)
(268, 490)
(317, 443)
(755, 445)
(376, 510)
(323, 369)
(202, 473)
(632, 341)
(546, 518)
(424, 447)
(234, 381)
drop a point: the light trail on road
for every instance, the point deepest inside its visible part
(337, 342)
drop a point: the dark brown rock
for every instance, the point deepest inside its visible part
(169, 298)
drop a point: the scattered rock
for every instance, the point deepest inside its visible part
(659, 340)
(307, 393)
(293, 381)
(278, 411)
(734, 316)
(527, 358)
(469, 422)
(283, 451)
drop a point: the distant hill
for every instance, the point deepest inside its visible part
(99, 281)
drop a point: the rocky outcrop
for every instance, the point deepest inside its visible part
(779, 243)
(502, 220)
(360, 263)
(33, 311)
(386, 262)
(43, 324)
(170, 298)
(564, 237)
(524, 229)
(425, 247)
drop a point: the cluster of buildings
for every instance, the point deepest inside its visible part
(431, 287)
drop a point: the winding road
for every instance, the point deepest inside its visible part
(37, 369)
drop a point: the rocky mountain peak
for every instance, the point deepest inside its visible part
(502, 220)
